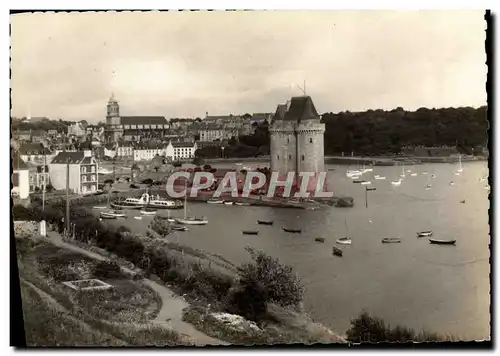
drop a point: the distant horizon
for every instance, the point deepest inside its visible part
(183, 64)
(255, 112)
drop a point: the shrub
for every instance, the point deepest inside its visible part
(160, 226)
(281, 284)
(367, 328)
(106, 269)
(248, 300)
(21, 213)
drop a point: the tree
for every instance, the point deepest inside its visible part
(282, 286)
(160, 226)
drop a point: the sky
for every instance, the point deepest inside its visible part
(185, 64)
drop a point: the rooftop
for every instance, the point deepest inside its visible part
(143, 120)
(301, 109)
(71, 157)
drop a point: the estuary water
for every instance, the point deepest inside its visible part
(440, 288)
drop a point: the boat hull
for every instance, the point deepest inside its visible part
(293, 231)
(123, 207)
(343, 242)
(337, 252)
(250, 232)
(391, 241)
(191, 222)
(261, 222)
(443, 242)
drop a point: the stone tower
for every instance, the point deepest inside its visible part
(297, 143)
(113, 124)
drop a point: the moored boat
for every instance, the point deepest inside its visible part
(388, 240)
(148, 212)
(377, 177)
(192, 221)
(179, 228)
(372, 188)
(242, 204)
(120, 205)
(358, 181)
(250, 232)
(265, 222)
(462, 201)
(99, 207)
(138, 217)
(396, 182)
(111, 215)
(366, 183)
(319, 239)
(295, 231)
(228, 203)
(442, 242)
(425, 233)
(337, 251)
(215, 201)
(344, 241)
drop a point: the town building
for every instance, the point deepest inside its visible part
(125, 149)
(212, 132)
(83, 168)
(173, 151)
(118, 127)
(180, 151)
(20, 178)
(38, 177)
(78, 129)
(36, 153)
(38, 136)
(297, 138)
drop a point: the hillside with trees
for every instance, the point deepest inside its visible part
(379, 131)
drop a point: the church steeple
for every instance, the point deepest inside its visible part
(113, 107)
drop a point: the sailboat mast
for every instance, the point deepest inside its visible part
(346, 229)
(185, 200)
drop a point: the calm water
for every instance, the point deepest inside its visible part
(440, 288)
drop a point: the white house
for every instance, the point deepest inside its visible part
(83, 168)
(79, 129)
(125, 150)
(211, 134)
(179, 151)
(147, 151)
(20, 178)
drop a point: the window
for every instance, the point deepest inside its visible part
(289, 157)
(278, 157)
(310, 140)
(302, 157)
(288, 140)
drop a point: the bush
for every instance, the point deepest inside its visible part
(366, 328)
(108, 270)
(198, 161)
(21, 213)
(281, 284)
(160, 226)
(249, 300)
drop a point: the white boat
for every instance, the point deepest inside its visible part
(366, 183)
(104, 171)
(433, 176)
(413, 174)
(452, 183)
(228, 203)
(215, 201)
(425, 173)
(345, 240)
(353, 173)
(396, 182)
(408, 170)
(111, 215)
(190, 220)
(242, 204)
(428, 186)
(138, 217)
(355, 177)
(99, 207)
(148, 212)
(379, 177)
(460, 168)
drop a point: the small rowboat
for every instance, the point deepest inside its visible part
(138, 217)
(228, 203)
(99, 207)
(391, 240)
(122, 206)
(425, 233)
(250, 232)
(295, 231)
(111, 215)
(442, 242)
(265, 222)
(370, 189)
(179, 228)
(344, 241)
(337, 251)
(319, 239)
(214, 201)
(242, 204)
(462, 201)
(148, 212)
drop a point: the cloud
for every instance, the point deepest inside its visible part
(182, 64)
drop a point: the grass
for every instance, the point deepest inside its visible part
(45, 326)
(123, 318)
(272, 331)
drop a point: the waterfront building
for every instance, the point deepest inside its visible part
(83, 168)
(124, 149)
(38, 176)
(36, 153)
(297, 138)
(20, 178)
(118, 127)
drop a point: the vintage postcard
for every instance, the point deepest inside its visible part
(214, 178)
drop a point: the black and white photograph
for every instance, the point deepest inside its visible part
(212, 179)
